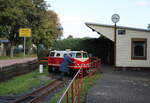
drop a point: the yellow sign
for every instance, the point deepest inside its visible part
(24, 32)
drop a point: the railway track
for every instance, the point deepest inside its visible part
(38, 95)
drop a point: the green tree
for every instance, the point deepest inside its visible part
(33, 14)
(50, 29)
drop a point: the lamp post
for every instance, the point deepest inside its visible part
(115, 18)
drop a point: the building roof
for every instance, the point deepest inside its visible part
(120, 27)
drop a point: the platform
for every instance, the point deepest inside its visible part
(121, 87)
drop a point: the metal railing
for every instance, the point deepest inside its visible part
(43, 59)
(95, 63)
(73, 91)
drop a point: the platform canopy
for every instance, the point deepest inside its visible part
(101, 29)
(108, 30)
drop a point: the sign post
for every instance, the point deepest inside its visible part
(25, 32)
(24, 46)
(115, 18)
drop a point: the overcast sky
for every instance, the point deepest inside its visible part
(74, 13)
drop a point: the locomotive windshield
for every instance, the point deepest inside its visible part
(85, 55)
(78, 55)
(81, 55)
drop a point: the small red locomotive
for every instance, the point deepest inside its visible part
(80, 60)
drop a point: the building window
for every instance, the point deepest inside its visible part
(139, 48)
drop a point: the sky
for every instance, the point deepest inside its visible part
(74, 13)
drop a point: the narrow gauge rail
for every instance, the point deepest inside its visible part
(37, 95)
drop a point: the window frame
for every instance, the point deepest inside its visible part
(145, 48)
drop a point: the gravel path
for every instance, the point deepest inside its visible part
(121, 87)
(4, 63)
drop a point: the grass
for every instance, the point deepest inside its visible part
(87, 84)
(22, 83)
(17, 56)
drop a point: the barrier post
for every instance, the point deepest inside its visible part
(72, 92)
(78, 89)
(67, 97)
(41, 68)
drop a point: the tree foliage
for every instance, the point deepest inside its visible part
(32, 14)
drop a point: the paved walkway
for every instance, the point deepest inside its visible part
(4, 63)
(121, 87)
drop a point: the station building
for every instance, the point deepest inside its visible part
(131, 45)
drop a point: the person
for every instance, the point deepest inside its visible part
(64, 65)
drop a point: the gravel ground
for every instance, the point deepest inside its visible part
(121, 87)
(4, 63)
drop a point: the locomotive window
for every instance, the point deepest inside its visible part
(58, 55)
(52, 54)
(72, 55)
(85, 55)
(78, 55)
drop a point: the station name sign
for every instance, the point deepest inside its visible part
(24, 32)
